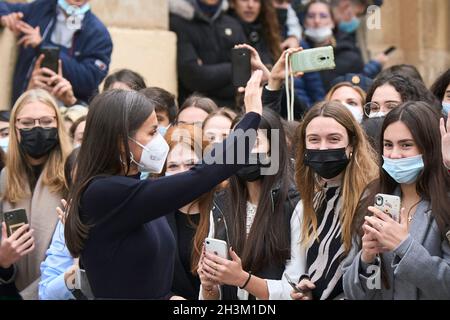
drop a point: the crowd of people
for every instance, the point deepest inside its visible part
(122, 187)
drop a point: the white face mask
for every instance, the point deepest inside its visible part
(153, 156)
(318, 35)
(378, 114)
(4, 142)
(356, 112)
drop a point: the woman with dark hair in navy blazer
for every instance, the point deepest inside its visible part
(116, 223)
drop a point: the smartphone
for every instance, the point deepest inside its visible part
(388, 204)
(14, 219)
(311, 60)
(241, 67)
(292, 283)
(82, 283)
(390, 50)
(51, 59)
(217, 247)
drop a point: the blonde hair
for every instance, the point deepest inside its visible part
(360, 171)
(16, 161)
(360, 91)
(74, 113)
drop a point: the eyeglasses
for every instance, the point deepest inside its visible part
(30, 123)
(321, 15)
(374, 107)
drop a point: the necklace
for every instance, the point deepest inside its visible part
(410, 217)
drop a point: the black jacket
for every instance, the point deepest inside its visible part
(256, 38)
(222, 216)
(203, 51)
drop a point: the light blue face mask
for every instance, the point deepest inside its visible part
(349, 26)
(445, 108)
(163, 130)
(4, 142)
(404, 170)
(74, 10)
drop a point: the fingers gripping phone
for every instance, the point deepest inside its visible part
(217, 247)
(388, 204)
(293, 284)
(51, 59)
(311, 60)
(241, 66)
(14, 219)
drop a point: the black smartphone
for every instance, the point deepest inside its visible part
(14, 219)
(241, 67)
(51, 59)
(390, 50)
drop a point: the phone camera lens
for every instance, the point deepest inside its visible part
(379, 201)
(207, 242)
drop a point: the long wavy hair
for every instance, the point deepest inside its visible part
(18, 166)
(361, 169)
(192, 137)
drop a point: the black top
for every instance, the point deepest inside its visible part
(186, 227)
(130, 251)
(324, 256)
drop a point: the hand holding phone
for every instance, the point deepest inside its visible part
(51, 58)
(217, 247)
(15, 219)
(293, 284)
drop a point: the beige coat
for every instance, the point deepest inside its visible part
(41, 212)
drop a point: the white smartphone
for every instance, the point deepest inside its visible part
(388, 204)
(217, 247)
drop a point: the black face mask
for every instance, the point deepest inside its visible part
(252, 172)
(38, 141)
(282, 17)
(326, 163)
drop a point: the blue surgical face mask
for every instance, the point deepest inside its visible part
(4, 142)
(162, 130)
(349, 26)
(445, 108)
(404, 170)
(74, 10)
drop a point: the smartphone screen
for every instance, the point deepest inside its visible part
(14, 220)
(51, 59)
(293, 285)
(241, 67)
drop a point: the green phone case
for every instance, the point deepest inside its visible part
(311, 60)
(14, 220)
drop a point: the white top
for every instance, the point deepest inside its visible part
(63, 34)
(251, 212)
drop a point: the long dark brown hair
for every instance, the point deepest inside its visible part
(271, 28)
(433, 183)
(269, 239)
(113, 116)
